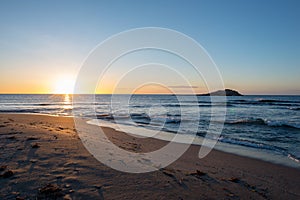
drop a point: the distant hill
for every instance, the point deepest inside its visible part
(227, 92)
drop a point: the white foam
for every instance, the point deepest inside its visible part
(144, 133)
(190, 139)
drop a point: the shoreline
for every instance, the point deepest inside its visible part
(61, 160)
(247, 152)
(239, 150)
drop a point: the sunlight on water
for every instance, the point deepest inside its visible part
(67, 104)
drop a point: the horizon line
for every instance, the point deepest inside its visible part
(182, 94)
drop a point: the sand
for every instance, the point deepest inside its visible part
(42, 157)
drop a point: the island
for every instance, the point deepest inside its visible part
(226, 92)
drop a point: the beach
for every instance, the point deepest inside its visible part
(42, 157)
(149, 100)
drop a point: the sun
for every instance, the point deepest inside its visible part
(64, 86)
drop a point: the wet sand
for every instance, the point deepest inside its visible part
(42, 157)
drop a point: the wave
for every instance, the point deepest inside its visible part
(276, 101)
(110, 116)
(51, 104)
(238, 100)
(265, 103)
(33, 104)
(20, 111)
(295, 108)
(249, 143)
(193, 102)
(200, 105)
(141, 106)
(178, 105)
(144, 118)
(262, 102)
(250, 121)
(282, 124)
(260, 145)
(173, 115)
(140, 116)
(173, 121)
(259, 121)
(282, 104)
(104, 116)
(294, 158)
(29, 110)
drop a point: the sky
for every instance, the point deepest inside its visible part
(255, 44)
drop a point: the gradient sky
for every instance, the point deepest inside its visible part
(255, 44)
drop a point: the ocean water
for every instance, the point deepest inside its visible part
(265, 127)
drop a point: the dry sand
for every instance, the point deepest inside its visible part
(42, 157)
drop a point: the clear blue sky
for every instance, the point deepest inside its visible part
(256, 44)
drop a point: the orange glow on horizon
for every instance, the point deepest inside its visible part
(145, 89)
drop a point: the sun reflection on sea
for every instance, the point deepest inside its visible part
(67, 104)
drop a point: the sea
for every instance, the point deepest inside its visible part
(257, 126)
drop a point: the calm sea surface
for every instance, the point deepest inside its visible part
(266, 127)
